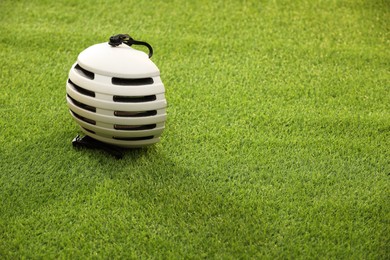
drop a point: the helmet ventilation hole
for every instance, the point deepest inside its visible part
(132, 82)
(93, 132)
(82, 90)
(134, 138)
(83, 72)
(129, 99)
(90, 121)
(135, 114)
(135, 127)
(81, 105)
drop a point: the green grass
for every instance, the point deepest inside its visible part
(277, 143)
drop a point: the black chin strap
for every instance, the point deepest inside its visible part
(118, 39)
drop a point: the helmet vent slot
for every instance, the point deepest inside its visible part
(83, 72)
(82, 90)
(93, 132)
(90, 121)
(134, 138)
(132, 82)
(135, 127)
(135, 114)
(127, 99)
(81, 105)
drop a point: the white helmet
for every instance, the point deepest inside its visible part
(115, 94)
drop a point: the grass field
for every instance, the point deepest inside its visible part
(277, 143)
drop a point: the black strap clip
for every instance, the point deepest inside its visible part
(89, 142)
(118, 39)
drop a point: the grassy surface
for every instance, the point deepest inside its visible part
(277, 143)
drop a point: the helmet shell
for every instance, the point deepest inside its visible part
(116, 96)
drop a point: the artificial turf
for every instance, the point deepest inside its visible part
(277, 143)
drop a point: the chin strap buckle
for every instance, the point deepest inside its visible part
(118, 39)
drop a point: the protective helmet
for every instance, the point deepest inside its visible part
(115, 94)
